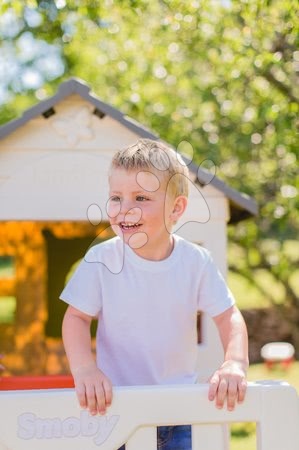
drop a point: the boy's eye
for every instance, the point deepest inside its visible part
(115, 198)
(141, 198)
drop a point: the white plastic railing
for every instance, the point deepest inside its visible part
(52, 420)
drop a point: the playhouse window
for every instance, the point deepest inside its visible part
(8, 301)
(7, 267)
(8, 305)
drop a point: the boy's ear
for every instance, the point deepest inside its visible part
(179, 207)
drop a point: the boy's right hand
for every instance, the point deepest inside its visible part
(93, 388)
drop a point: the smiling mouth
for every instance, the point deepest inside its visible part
(129, 225)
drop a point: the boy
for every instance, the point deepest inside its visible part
(147, 311)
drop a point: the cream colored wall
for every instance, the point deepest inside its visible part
(53, 169)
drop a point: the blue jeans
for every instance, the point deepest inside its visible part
(173, 438)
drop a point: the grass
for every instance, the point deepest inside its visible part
(243, 434)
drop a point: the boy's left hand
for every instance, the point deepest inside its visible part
(228, 383)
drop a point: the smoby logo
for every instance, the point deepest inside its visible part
(99, 427)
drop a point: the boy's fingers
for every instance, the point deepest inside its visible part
(101, 402)
(232, 394)
(107, 386)
(227, 388)
(81, 395)
(221, 393)
(91, 399)
(214, 382)
(242, 386)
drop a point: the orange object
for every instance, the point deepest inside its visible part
(36, 382)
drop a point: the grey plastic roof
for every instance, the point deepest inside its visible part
(241, 205)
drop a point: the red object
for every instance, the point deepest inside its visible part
(284, 363)
(36, 382)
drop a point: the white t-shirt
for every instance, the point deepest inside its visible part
(147, 310)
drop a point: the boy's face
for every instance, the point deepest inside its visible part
(139, 209)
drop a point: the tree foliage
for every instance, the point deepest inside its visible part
(219, 74)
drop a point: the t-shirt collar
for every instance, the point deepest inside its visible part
(153, 266)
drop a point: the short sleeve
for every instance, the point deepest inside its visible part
(83, 290)
(214, 295)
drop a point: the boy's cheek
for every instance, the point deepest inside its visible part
(116, 229)
(113, 209)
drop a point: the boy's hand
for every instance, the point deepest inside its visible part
(93, 388)
(228, 383)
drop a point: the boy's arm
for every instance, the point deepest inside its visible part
(229, 381)
(93, 388)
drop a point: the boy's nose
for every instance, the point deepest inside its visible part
(132, 214)
(126, 205)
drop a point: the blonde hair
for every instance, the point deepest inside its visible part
(157, 157)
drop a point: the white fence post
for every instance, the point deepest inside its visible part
(278, 427)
